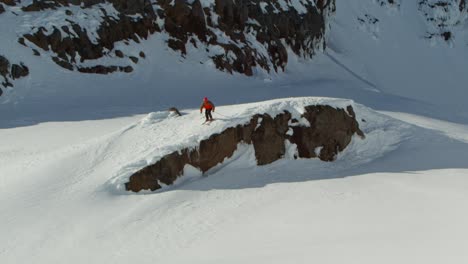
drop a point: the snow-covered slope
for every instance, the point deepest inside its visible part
(401, 48)
(378, 54)
(395, 196)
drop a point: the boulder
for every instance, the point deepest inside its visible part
(14, 71)
(18, 71)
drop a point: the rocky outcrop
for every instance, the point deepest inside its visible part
(11, 72)
(238, 36)
(174, 111)
(329, 131)
(8, 2)
(72, 44)
(246, 23)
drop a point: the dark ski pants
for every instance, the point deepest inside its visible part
(208, 114)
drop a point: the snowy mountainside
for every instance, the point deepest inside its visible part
(371, 49)
(86, 36)
(415, 49)
(385, 194)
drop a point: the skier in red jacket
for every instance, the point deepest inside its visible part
(209, 106)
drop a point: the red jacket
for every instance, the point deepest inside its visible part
(208, 105)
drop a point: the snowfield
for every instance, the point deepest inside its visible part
(396, 196)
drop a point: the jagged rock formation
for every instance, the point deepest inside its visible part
(11, 71)
(329, 131)
(8, 2)
(238, 36)
(73, 43)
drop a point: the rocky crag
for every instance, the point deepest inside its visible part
(326, 132)
(238, 36)
(11, 72)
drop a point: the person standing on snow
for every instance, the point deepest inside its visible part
(209, 106)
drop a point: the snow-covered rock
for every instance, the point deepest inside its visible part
(237, 36)
(329, 129)
(10, 72)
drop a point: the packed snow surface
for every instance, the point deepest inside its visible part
(395, 196)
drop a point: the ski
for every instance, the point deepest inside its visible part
(208, 122)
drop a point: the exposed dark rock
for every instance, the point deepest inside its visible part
(189, 23)
(394, 3)
(330, 131)
(174, 110)
(75, 41)
(63, 63)
(447, 35)
(99, 69)
(36, 53)
(183, 20)
(21, 41)
(126, 69)
(119, 53)
(38, 5)
(133, 59)
(142, 54)
(14, 72)
(8, 2)
(268, 139)
(2, 9)
(4, 66)
(18, 71)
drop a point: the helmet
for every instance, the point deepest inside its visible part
(205, 99)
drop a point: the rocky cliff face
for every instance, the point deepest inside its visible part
(322, 132)
(11, 72)
(239, 36)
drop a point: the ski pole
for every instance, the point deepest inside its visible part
(221, 114)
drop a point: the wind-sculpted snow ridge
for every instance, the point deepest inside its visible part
(264, 132)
